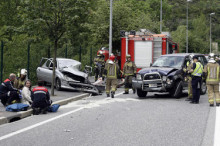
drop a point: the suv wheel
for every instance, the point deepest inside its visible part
(58, 84)
(177, 92)
(203, 88)
(141, 93)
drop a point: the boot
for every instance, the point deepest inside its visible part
(36, 111)
(134, 91)
(126, 92)
(188, 99)
(112, 94)
(217, 104)
(212, 105)
(108, 95)
(44, 111)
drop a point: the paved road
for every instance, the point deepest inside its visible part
(125, 120)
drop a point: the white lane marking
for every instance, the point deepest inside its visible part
(44, 122)
(217, 128)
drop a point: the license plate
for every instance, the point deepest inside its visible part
(152, 85)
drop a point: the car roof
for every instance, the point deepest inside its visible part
(184, 54)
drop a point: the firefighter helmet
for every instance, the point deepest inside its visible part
(211, 56)
(128, 56)
(23, 72)
(112, 57)
(103, 48)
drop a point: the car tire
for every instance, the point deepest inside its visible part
(141, 93)
(203, 88)
(177, 92)
(58, 84)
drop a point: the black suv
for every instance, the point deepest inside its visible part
(166, 75)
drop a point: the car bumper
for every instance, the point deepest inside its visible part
(159, 86)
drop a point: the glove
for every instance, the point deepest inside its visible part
(184, 69)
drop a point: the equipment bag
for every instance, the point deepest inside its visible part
(53, 108)
(16, 107)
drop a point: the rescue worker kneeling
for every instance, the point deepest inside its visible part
(9, 94)
(212, 73)
(129, 71)
(111, 71)
(41, 99)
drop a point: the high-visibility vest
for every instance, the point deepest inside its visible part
(198, 70)
(212, 73)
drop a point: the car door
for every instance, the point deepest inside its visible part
(44, 73)
(41, 69)
(48, 72)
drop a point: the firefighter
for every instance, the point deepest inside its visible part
(99, 62)
(211, 72)
(189, 78)
(196, 73)
(111, 71)
(19, 82)
(129, 71)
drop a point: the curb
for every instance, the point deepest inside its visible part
(24, 114)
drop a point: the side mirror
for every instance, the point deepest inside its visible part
(150, 64)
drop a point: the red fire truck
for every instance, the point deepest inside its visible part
(145, 47)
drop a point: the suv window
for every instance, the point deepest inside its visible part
(203, 60)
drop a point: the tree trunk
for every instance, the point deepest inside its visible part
(54, 66)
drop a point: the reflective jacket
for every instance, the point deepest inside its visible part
(40, 97)
(98, 60)
(212, 71)
(6, 86)
(112, 70)
(129, 68)
(198, 70)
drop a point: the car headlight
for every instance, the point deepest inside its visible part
(67, 78)
(138, 77)
(164, 78)
(169, 81)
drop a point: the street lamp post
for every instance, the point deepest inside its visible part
(110, 29)
(187, 13)
(161, 15)
(211, 31)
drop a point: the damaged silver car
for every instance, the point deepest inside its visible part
(68, 75)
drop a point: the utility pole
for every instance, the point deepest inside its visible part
(187, 13)
(211, 31)
(110, 29)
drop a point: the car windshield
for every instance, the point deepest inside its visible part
(69, 63)
(169, 61)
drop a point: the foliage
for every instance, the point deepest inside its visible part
(85, 23)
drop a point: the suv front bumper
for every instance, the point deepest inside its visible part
(159, 85)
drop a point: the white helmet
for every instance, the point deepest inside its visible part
(211, 56)
(23, 72)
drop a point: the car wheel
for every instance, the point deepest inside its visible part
(177, 92)
(141, 93)
(203, 88)
(58, 84)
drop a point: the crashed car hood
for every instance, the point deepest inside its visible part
(161, 70)
(74, 71)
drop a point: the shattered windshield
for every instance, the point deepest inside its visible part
(69, 63)
(169, 61)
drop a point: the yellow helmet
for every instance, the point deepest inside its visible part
(128, 56)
